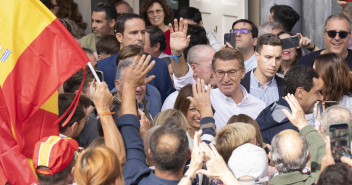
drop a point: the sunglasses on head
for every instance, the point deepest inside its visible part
(242, 31)
(342, 34)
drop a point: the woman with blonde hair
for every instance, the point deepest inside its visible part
(247, 119)
(98, 165)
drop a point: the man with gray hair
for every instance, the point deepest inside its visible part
(199, 59)
(334, 114)
(270, 27)
(147, 96)
(337, 32)
(290, 150)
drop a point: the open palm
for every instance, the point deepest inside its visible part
(178, 38)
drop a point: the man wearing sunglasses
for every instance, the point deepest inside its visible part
(246, 38)
(337, 32)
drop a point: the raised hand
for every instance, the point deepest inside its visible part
(216, 166)
(102, 97)
(297, 117)
(136, 74)
(307, 43)
(201, 98)
(343, 4)
(178, 38)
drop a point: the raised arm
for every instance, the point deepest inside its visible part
(216, 166)
(316, 142)
(201, 101)
(345, 7)
(128, 122)
(307, 43)
(133, 77)
(103, 100)
(178, 42)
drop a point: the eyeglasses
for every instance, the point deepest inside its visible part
(342, 34)
(232, 73)
(152, 12)
(242, 31)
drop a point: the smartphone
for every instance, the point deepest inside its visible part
(330, 103)
(230, 38)
(340, 140)
(291, 42)
(100, 75)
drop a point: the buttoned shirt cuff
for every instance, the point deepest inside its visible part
(184, 80)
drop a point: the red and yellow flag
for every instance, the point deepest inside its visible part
(37, 54)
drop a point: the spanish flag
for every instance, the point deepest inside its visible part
(37, 54)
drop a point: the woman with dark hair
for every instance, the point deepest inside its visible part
(337, 79)
(158, 13)
(186, 107)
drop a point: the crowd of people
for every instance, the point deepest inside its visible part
(175, 106)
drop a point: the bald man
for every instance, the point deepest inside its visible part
(290, 150)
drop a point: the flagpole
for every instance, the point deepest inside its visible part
(94, 73)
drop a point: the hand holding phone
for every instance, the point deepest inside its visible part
(291, 42)
(230, 38)
(340, 139)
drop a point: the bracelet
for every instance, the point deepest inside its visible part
(175, 57)
(106, 113)
(188, 177)
(312, 48)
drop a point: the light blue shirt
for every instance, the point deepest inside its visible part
(251, 63)
(269, 94)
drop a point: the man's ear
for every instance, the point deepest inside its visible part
(119, 37)
(112, 23)
(149, 153)
(243, 72)
(100, 57)
(256, 55)
(194, 69)
(118, 85)
(255, 39)
(299, 93)
(308, 158)
(319, 130)
(201, 23)
(74, 126)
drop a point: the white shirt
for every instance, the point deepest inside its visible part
(251, 63)
(212, 40)
(163, 55)
(346, 101)
(170, 101)
(224, 106)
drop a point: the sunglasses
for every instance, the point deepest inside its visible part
(242, 31)
(342, 34)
